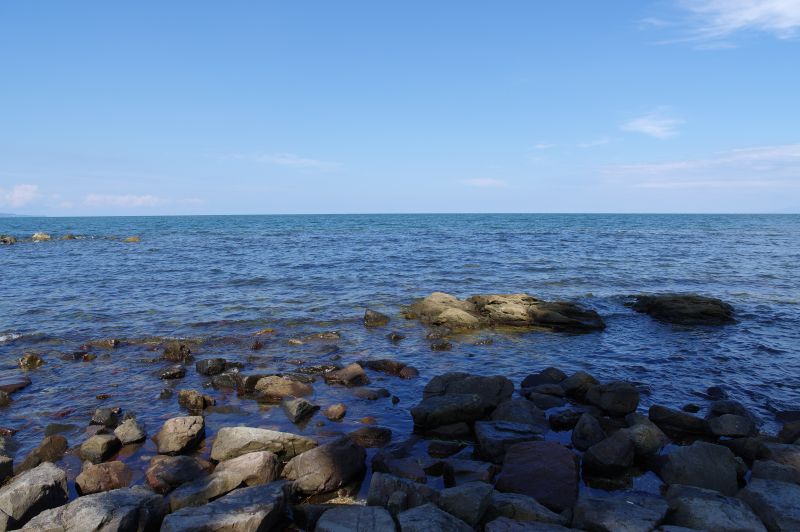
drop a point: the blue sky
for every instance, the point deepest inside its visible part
(417, 106)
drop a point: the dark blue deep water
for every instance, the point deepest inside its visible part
(219, 279)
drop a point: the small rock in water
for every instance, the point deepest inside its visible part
(691, 408)
(678, 422)
(352, 375)
(173, 372)
(409, 372)
(177, 352)
(685, 309)
(395, 336)
(195, 401)
(5, 399)
(7, 240)
(274, 388)
(441, 345)
(612, 456)
(617, 398)
(41, 237)
(211, 366)
(103, 477)
(587, 432)
(371, 436)
(132, 240)
(130, 432)
(549, 375)
(107, 417)
(51, 449)
(335, 412)
(30, 361)
(298, 409)
(99, 448)
(180, 434)
(371, 394)
(373, 318)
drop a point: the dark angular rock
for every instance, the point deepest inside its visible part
(578, 384)
(494, 437)
(612, 456)
(30, 493)
(173, 372)
(675, 422)
(371, 436)
(629, 511)
(703, 465)
(544, 401)
(298, 409)
(617, 398)
(382, 486)
(354, 518)
(731, 425)
(427, 518)
(168, 472)
(777, 504)
(352, 375)
(448, 409)
(456, 471)
(518, 410)
(549, 375)
(99, 448)
(177, 352)
(211, 366)
(685, 309)
(587, 432)
(51, 449)
(327, 467)
(703, 509)
(468, 502)
(373, 318)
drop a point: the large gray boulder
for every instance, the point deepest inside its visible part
(677, 422)
(231, 442)
(434, 412)
(427, 518)
(704, 465)
(28, 494)
(685, 309)
(492, 390)
(468, 502)
(519, 410)
(611, 456)
(616, 398)
(327, 467)
(353, 518)
(249, 509)
(629, 512)
(704, 509)
(776, 503)
(120, 510)
(99, 448)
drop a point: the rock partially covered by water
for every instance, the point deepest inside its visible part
(685, 309)
(274, 388)
(99, 448)
(491, 390)
(30, 361)
(177, 352)
(704, 465)
(514, 310)
(117, 510)
(194, 401)
(30, 493)
(12, 381)
(327, 467)
(168, 472)
(298, 409)
(236, 441)
(41, 237)
(130, 432)
(51, 449)
(617, 398)
(373, 318)
(245, 509)
(180, 434)
(352, 375)
(7, 240)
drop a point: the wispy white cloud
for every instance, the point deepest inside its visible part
(654, 124)
(125, 200)
(288, 160)
(18, 195)
(763, 166)
(543, 146)
(485, 183)
(710, 23)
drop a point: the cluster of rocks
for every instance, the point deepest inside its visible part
(46, 237)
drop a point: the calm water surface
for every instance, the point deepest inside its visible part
(222, 278)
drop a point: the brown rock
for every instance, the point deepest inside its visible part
(168, 472)
(103, 477)
(352, 375)
(180, 434)
(335, 412)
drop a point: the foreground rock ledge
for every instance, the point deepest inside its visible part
(508, 310)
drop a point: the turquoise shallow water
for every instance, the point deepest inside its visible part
(222, 278)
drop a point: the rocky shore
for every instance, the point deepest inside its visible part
(554, 451)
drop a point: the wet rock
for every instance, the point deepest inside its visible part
(107, 417)
(259, 467)
(544, 401)
(7, 240)
(519, 410)
(30, 361)
(211, 366)
(631, 512)
(5, 399)
(103, 477)
(371, 436)
(617, 398)
(335, 412)
(504, 524)
(467, 502)
(117, 510)
(130, 432)
(647, 438)
(168, 472)
(782, 453)
(382, 486)
(317, 369)
(100, 448)
(355, 518)
(456, 472)
(447, 409)
(51, 449)
(777, 504)
(373, 318)
(612, 456)
(731, 425)
(565, 420)
(383, 365)
(703, 509)
(352, 375)
(520, 508)
(428, 517)
(30, 493)
(371, 394)
(194, 401)
(495, 437)
(703, 465)
(298, 409)
(11, 381)
(409, 372)
(676, 422)
(230, 379)
(180, 434)
(177, 352)
(727, 406)
(173, 372)
(453, 431)
(441, 345)
(546, 389)
(407, 468)
(578, 384)
(491, 390)
(544, 470)
(395, 336)
(685, 309)
(327, 467)
(277, 387)
(790, 432)
(443, 449)
(691, 408)
(253, 508)
(41, 237)
(231, 442)
(771, 470)
(587, 432)
(549, 375)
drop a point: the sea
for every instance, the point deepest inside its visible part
(216, 280)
